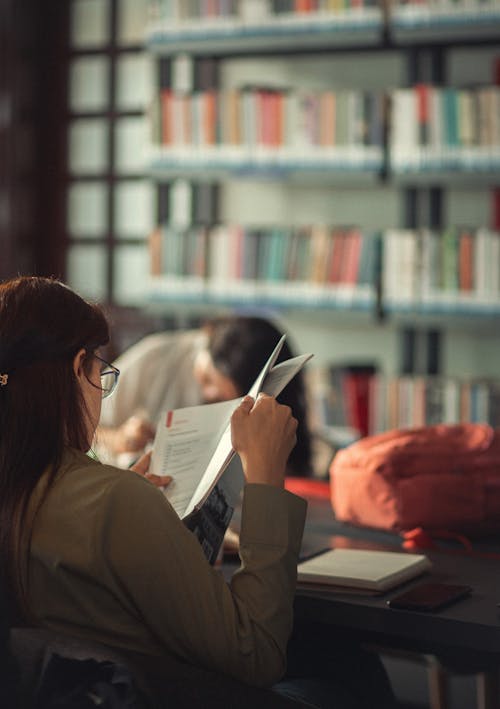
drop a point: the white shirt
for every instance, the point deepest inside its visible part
(156, 374)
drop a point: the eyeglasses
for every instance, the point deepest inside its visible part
(109, 377)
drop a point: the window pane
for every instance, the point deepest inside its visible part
(88, 143)
(87, 209)
(89, 84)
(134, 82)
(87, 271)
(132, 16)
(134, 209)
(131, 143)
(131, 274)
(89, 23)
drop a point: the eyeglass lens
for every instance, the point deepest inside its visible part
(108, 382)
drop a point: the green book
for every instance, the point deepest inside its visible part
(449, 259)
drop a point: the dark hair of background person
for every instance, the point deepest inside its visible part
(43, 325)
(239, 347)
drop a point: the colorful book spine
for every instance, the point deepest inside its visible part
(445, 128)
(413, 401)
(297, 123)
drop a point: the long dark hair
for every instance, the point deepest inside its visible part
(239, 347)
(43, 325)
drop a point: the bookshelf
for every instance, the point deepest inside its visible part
(248, 27)
(260, 54)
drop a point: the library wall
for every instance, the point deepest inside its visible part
(358, 239)
(470, 347)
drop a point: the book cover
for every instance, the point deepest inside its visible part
(354, 381)
(166, 101)
(354, 253)
(362, 568)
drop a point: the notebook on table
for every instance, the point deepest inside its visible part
(362, 569)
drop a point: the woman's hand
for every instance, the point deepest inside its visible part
(263, 434)
(141, 467)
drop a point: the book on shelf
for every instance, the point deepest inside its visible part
(456, 267)
(445, 128)
(355, 384)
(254, 12)
(390, 402)
(417, 400)
(193, 445)
(291, 123)
(362, 569)
(340, 396)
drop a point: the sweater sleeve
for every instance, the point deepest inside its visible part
(157, 568)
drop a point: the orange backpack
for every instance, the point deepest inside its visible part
(444, 477)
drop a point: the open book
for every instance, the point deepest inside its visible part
(193, 445)
(365, 569)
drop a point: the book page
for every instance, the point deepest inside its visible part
(185, 440)
(279, 376)
(194, 446)
(271, 380)
(216, 466)
(257, 385)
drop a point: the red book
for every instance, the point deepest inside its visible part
(209, 117)
(166, 116)
(269, 118)
(466, 262)
(278, 118)
(353, 255)
(262, 119)
(357, 389)
(187, 128)
(304, 5)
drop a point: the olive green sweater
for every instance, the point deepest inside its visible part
(111, 562)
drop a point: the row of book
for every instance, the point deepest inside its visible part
(269, 118)
(441, 267)
(182, 11)
(445, 127)
(277, 261)
(368, 402)
(429, 128)
(413, 267)
(410, 14)
(403, 402)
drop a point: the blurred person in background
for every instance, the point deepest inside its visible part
(170, 370)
